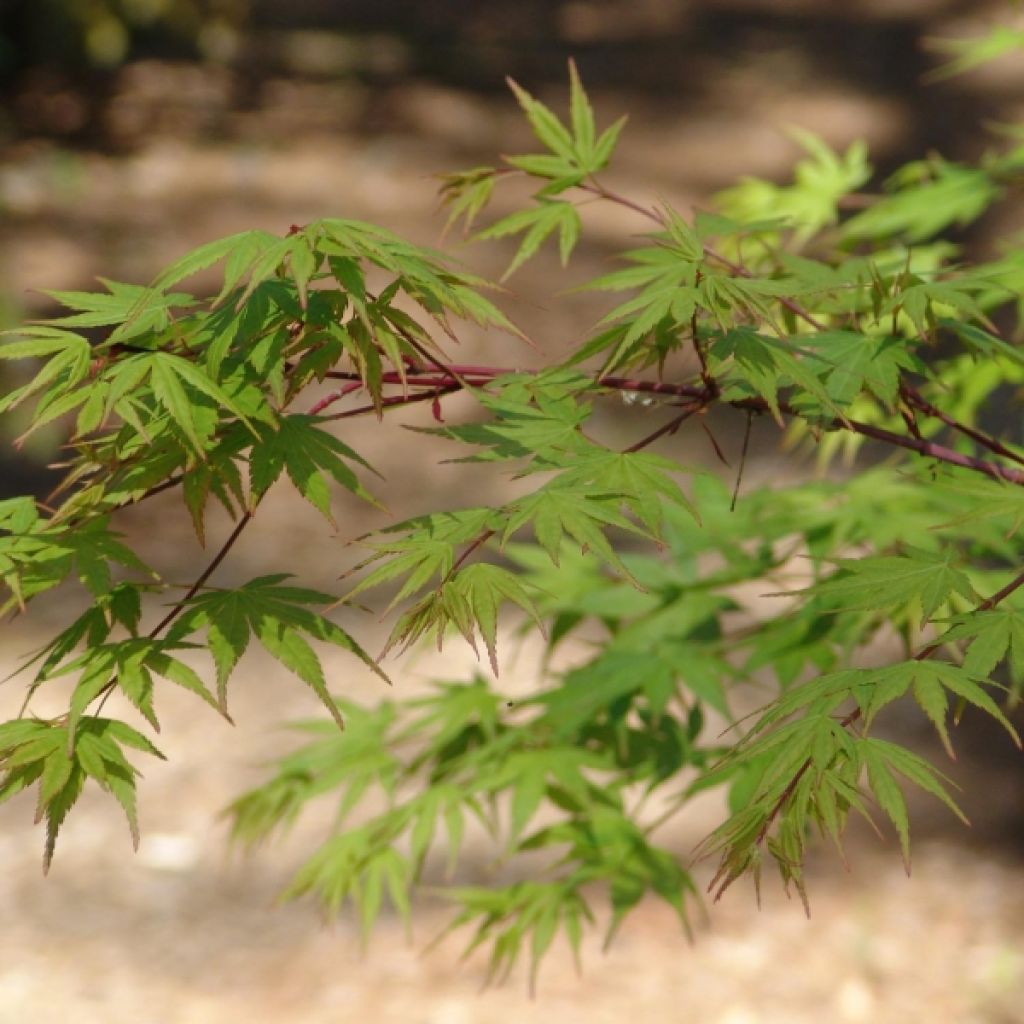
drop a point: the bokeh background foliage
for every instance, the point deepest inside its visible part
(109, 33)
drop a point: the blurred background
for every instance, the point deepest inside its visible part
(133, 130)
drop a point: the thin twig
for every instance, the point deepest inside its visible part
(710, 384)
(422, 351)
(668, 428)
(397, 400)
(993, 444)
(743, 462)
(482, 538)
(714, 444)
(179, 606)
(335, 396)
(931, 450)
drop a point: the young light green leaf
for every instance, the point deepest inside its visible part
(917, 577)
(888, 794)
(548, 129)
(581, 115)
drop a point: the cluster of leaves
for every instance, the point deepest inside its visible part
(778, 308)
(197, 396)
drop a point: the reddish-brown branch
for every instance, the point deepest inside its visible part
(915, 443)
(482, 538)
(396, 400)
(743, 462)
(931, 450)
(993, 444)
(478, 375)
(668, 428)
(335, 396)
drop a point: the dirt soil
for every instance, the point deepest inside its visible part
(183, 933)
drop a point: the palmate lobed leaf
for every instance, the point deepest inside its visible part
(573, 156)
(979, 341)
(238, 250)
(990, 636)
(485, 588)
(467, 600)
(297, 444)
(781, 757)
(926, 302)
(467, 193)
(916, 770)
(33, 749)
(537, 224)
(352, 867)
(548, 129)
(887, 792)
(427, 549)
(278, 618)
(858, 361)
(581, 115)
(41, 555)
(418, 559)
(764, 365)
(534, 423)
(644, 481)
(599, 684)
(132, 309)
(346, 763)
(583, 150)
(128, 665)
(562, 510)
(916, 577)
(68, 365)
(286, 644)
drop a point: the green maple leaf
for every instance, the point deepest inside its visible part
(298, 446)
(923, 579)
(990, 635)
(857, 362)
(278, 617)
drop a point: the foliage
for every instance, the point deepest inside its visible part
(106, 33)
(780, 308)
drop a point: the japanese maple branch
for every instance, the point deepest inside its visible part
(926, 652)
(478, 375)
(397, 400)
(911, 395)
